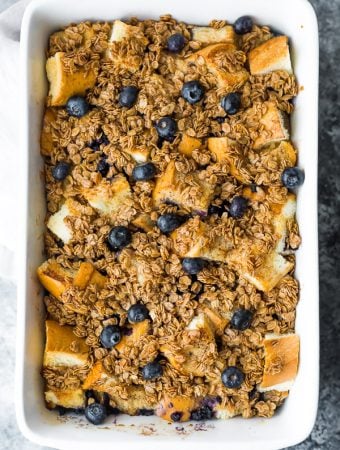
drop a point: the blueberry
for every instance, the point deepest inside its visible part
(292, 177)
(166, 128)
(220, 119)
(232, 377)
(231, 103)
(152, 370)
(193, 266)
(176, 43)
(119, 237)
(110, 336)
(238, 207)
(169, 222)
(60, 171)
(176, 416)
(192, 91)
(77, 106)
(103, 167)
(144, 172)
(138, 313)
(95, 145)
(243, 25)
(214, 209)
(95, 413)
(128, 96)
(203, 413)
(241, 319)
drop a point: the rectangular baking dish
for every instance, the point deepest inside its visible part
(294, 421)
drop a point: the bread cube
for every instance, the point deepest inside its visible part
(209, 35)
(226, 150)
(188, 144)
(282, 213)
(257, 195)
(202, 322)
(186, 190)
(270, 56)
(136, 264)
(135, 400)
(70, 399)
(217, 320)
(56, 223)
(55, 278)
(63, 348)
(99, 379)
(139, 154)
(46, 137)
(225, 412)
(87, 274)
(137, 330)
(64, 84)
(281, 362)
(109, 197)
(275, 126)
(179, 404)
(121, 31)
(144, 222)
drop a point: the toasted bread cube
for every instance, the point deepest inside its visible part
(109, 197)
(144, 222)
(270, 56)
(257, 195)
(225, 149)
(284, 152)
(87, 274)
(202, 322)
(275, 124)
(46, 137)
(121, 31)
(225, 412)
(136, 264)
(136, 399)
(73, 399)
(282, 214)
(209, 35)
(139, 154)
(63, 348)
(178, 404)
(217, 321)
(281, 362)
(268, 275)
(55, 278)
(64, 84)
(56, 222)
(99, 379)
(138, 329)
(188, 144)
(173, 186)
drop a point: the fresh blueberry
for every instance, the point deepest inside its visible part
(144, 172)
(293, 177)
(176, 416)
(232, 377)
(110, 336)
(152, 370)
(176, 43)
(192, 91)
(166, 128)
(128, 96)
(241, 319)
(243, 25)
(119, 237)
(214, 209)
(138, 313)
(238, 207)
(60, 171)
(77, 106)
(169, 222)
(193, 266)
(231, 103)
(95, 413)
(103, 167)
(203, 413)
(95, 145)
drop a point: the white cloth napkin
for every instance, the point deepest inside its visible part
(10, 101)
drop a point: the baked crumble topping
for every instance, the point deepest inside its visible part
(171, 223)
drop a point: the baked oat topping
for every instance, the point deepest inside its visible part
(170, 224)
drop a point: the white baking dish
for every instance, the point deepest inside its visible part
(295, 419)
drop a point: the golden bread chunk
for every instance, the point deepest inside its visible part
(56, 222)
(137, 330)
(99, 379)
(87, 274)
(55, 278)
(179, 404)
(225, 412)
(63, 348)
(121, 31)
(282, 213)
(217, 320)
(136, 264)
(209, 35)
(186, 190)
(63, 83)
(46, 137)
(270, 56)
(281, 362)
(225, 149)
(188, 144)
(254, 195)
(275, 125)
(74, 399)
(136, 399)
(139, 154)
(212, 54)
(109, 197)
(144, 222)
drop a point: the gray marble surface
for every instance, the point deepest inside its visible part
(326, 432)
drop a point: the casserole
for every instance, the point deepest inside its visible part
(294, 422)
